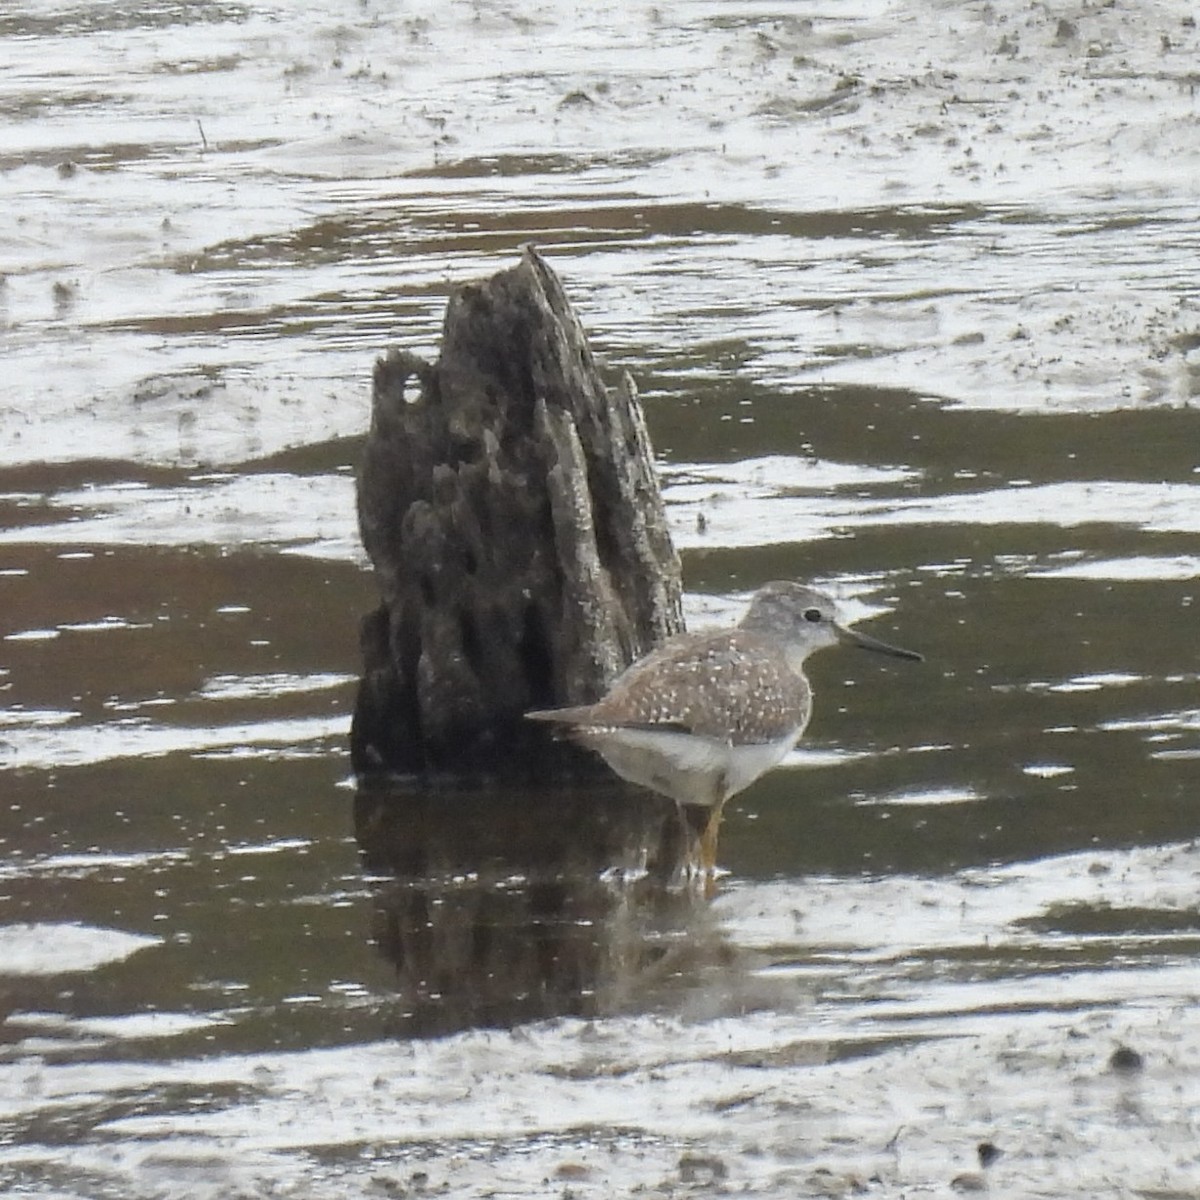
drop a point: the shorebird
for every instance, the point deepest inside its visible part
(705, 714)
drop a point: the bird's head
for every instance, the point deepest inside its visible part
(807, 620)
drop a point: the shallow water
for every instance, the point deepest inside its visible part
(909, 295)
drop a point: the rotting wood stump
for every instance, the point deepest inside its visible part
(509, 504)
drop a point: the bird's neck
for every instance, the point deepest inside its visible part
(796, 654)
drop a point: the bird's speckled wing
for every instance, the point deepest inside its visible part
(727, 683)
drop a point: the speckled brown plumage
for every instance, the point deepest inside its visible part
(730, 685)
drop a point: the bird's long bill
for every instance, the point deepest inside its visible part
(866, 642)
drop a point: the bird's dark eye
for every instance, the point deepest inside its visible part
(812, 614)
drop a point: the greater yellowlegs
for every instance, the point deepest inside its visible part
(705, 714)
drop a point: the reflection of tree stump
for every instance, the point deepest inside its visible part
(517, 532)
(498, 906)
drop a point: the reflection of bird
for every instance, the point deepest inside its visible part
(705, 714)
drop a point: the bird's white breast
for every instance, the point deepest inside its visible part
(688, 768)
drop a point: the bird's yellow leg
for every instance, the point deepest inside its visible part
(685, 837)
(708, 840)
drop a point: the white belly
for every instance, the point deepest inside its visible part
(688, 769)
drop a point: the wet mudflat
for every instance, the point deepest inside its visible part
(910, 297)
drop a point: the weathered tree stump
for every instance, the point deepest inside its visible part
(512, 513)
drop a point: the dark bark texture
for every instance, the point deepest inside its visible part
(509, 504)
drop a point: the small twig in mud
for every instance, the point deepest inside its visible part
(203, 139)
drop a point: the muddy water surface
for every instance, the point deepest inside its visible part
(910, 296)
